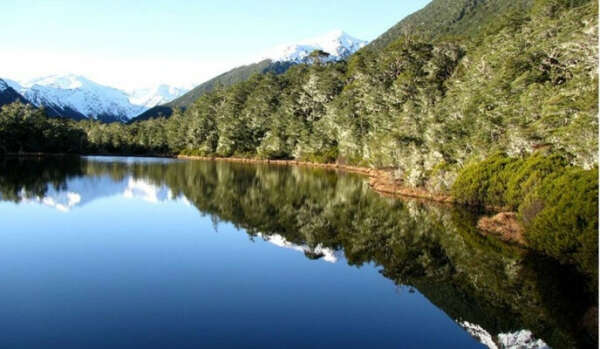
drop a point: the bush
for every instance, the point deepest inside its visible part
(485, 183)
(327, 156)
(193, 152)
(531, 172)
(564, 222)
(557, 203)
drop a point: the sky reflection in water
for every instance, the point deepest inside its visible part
(136, 252)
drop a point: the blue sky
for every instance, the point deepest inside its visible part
(141, 43)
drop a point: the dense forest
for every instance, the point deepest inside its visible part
(499, 112)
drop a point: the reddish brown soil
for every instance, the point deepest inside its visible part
(504, 225)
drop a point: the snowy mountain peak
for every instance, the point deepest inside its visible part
(66, 95)
(75, 96)
(337, 43)
(150, 97)
(3, 85)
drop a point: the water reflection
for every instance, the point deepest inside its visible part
(328, 254)
(522, 339)
(503, 296)
(77, 192)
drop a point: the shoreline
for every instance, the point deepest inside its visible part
(381, 181)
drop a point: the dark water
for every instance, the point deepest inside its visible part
(152, 253)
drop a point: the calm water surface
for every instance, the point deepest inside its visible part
(150, 253)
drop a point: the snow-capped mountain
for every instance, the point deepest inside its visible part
(150, 97)
(9, 95)
(76, 93)
(337, 44)
(77, 97)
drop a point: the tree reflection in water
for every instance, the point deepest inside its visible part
(490, 288)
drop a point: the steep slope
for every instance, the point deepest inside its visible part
(229, 78)
(338, 44)
(9, 95)
(441, 18)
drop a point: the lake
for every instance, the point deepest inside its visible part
(106, 252)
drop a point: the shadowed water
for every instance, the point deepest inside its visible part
(156, 253)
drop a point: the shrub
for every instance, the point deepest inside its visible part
(564, 223)
(557, 203)
(329, 155)
(531, 172)
(484, 183)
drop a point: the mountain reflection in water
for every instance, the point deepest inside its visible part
(503, 296)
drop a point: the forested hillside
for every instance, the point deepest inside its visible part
(446, 19)
(502, 112)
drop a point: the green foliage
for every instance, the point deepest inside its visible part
(563, 218)
(530, 174)
(327, 156)
(485, 183)
(26, 129)
(503, 181)
(553, 8)
(442, 19)
(558, 203)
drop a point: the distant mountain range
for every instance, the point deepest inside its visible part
(77, 97)
(338, 44)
